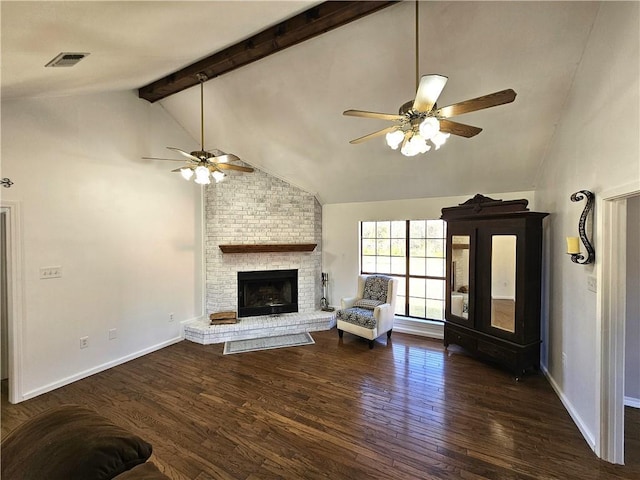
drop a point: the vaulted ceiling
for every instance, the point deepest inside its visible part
(283, 113)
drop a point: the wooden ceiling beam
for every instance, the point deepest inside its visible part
(304, 26)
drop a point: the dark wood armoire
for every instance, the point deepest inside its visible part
(494, 269)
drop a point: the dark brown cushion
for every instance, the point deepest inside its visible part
(70, 443)
(146, 471)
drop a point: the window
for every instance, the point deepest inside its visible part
(413, 251)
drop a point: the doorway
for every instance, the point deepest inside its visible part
(11, 293)
(632, 336)
(612, 315)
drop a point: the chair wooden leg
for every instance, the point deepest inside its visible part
(340, 333)
(371, 342)
(389, 333)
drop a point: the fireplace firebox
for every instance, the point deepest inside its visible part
(267, 292)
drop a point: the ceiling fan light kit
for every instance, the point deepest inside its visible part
(415, 142)
(203, 165)
(420, 121)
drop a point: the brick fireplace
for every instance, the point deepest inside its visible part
(257, 208)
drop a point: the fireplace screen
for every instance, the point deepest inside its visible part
(267, 292)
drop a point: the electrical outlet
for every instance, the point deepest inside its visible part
(84, 342)
(50, 272)
(591, 284)
(171, 317)
(113, 333)
(564, 359)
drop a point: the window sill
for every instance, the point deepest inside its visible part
(422, 328)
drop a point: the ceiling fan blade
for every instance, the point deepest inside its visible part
(225, 158)
(460, 129)
(365, 114)
(374, 134)
(429, 90)
(228, 166)
(180, 169)
(186, 154)
(486, 101)
(164, 159)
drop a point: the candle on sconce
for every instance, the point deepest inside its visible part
(573, 245)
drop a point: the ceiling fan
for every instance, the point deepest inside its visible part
(420, 120)
(204, 163)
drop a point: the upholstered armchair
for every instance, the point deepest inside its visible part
(371, 312)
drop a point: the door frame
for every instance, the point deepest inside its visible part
(611, 318)
(15, 305)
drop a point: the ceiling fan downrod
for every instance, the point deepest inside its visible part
(202, 77)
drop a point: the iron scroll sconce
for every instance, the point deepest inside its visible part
(572, 242)
(6, 182)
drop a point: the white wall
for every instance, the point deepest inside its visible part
(126, 232)
(595, 148)
(340, 234)
(632, 333)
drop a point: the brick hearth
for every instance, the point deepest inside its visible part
(201, 332)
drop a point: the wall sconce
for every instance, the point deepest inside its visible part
(573, 246)
(6, 182)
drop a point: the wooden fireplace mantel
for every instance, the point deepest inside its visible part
(269, 247)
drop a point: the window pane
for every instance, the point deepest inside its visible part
(417, 229)
(383, 264)
(398, 265)
(402, 285)
(435, 289)
(368, 229)
(435, 309)
(398, 230)
(435, 267)
(435, 248)
(383, 229)
(416, 266)
(416, 307)
(400, 300)
(368, 247)
(417, 287)
(383, 247)
(418, 248)
(398, 247)
(435, 228)
(368, 264)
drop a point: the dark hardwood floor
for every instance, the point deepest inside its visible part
(337, 410)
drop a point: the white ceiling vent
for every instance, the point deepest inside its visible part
(66, 59)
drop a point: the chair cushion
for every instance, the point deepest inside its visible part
(375, 288)
(367, 303)
(357, 316)
(70, 442)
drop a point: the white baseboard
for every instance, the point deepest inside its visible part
(422, 328)
(632, 402)
(586, 433)
(97, 369)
